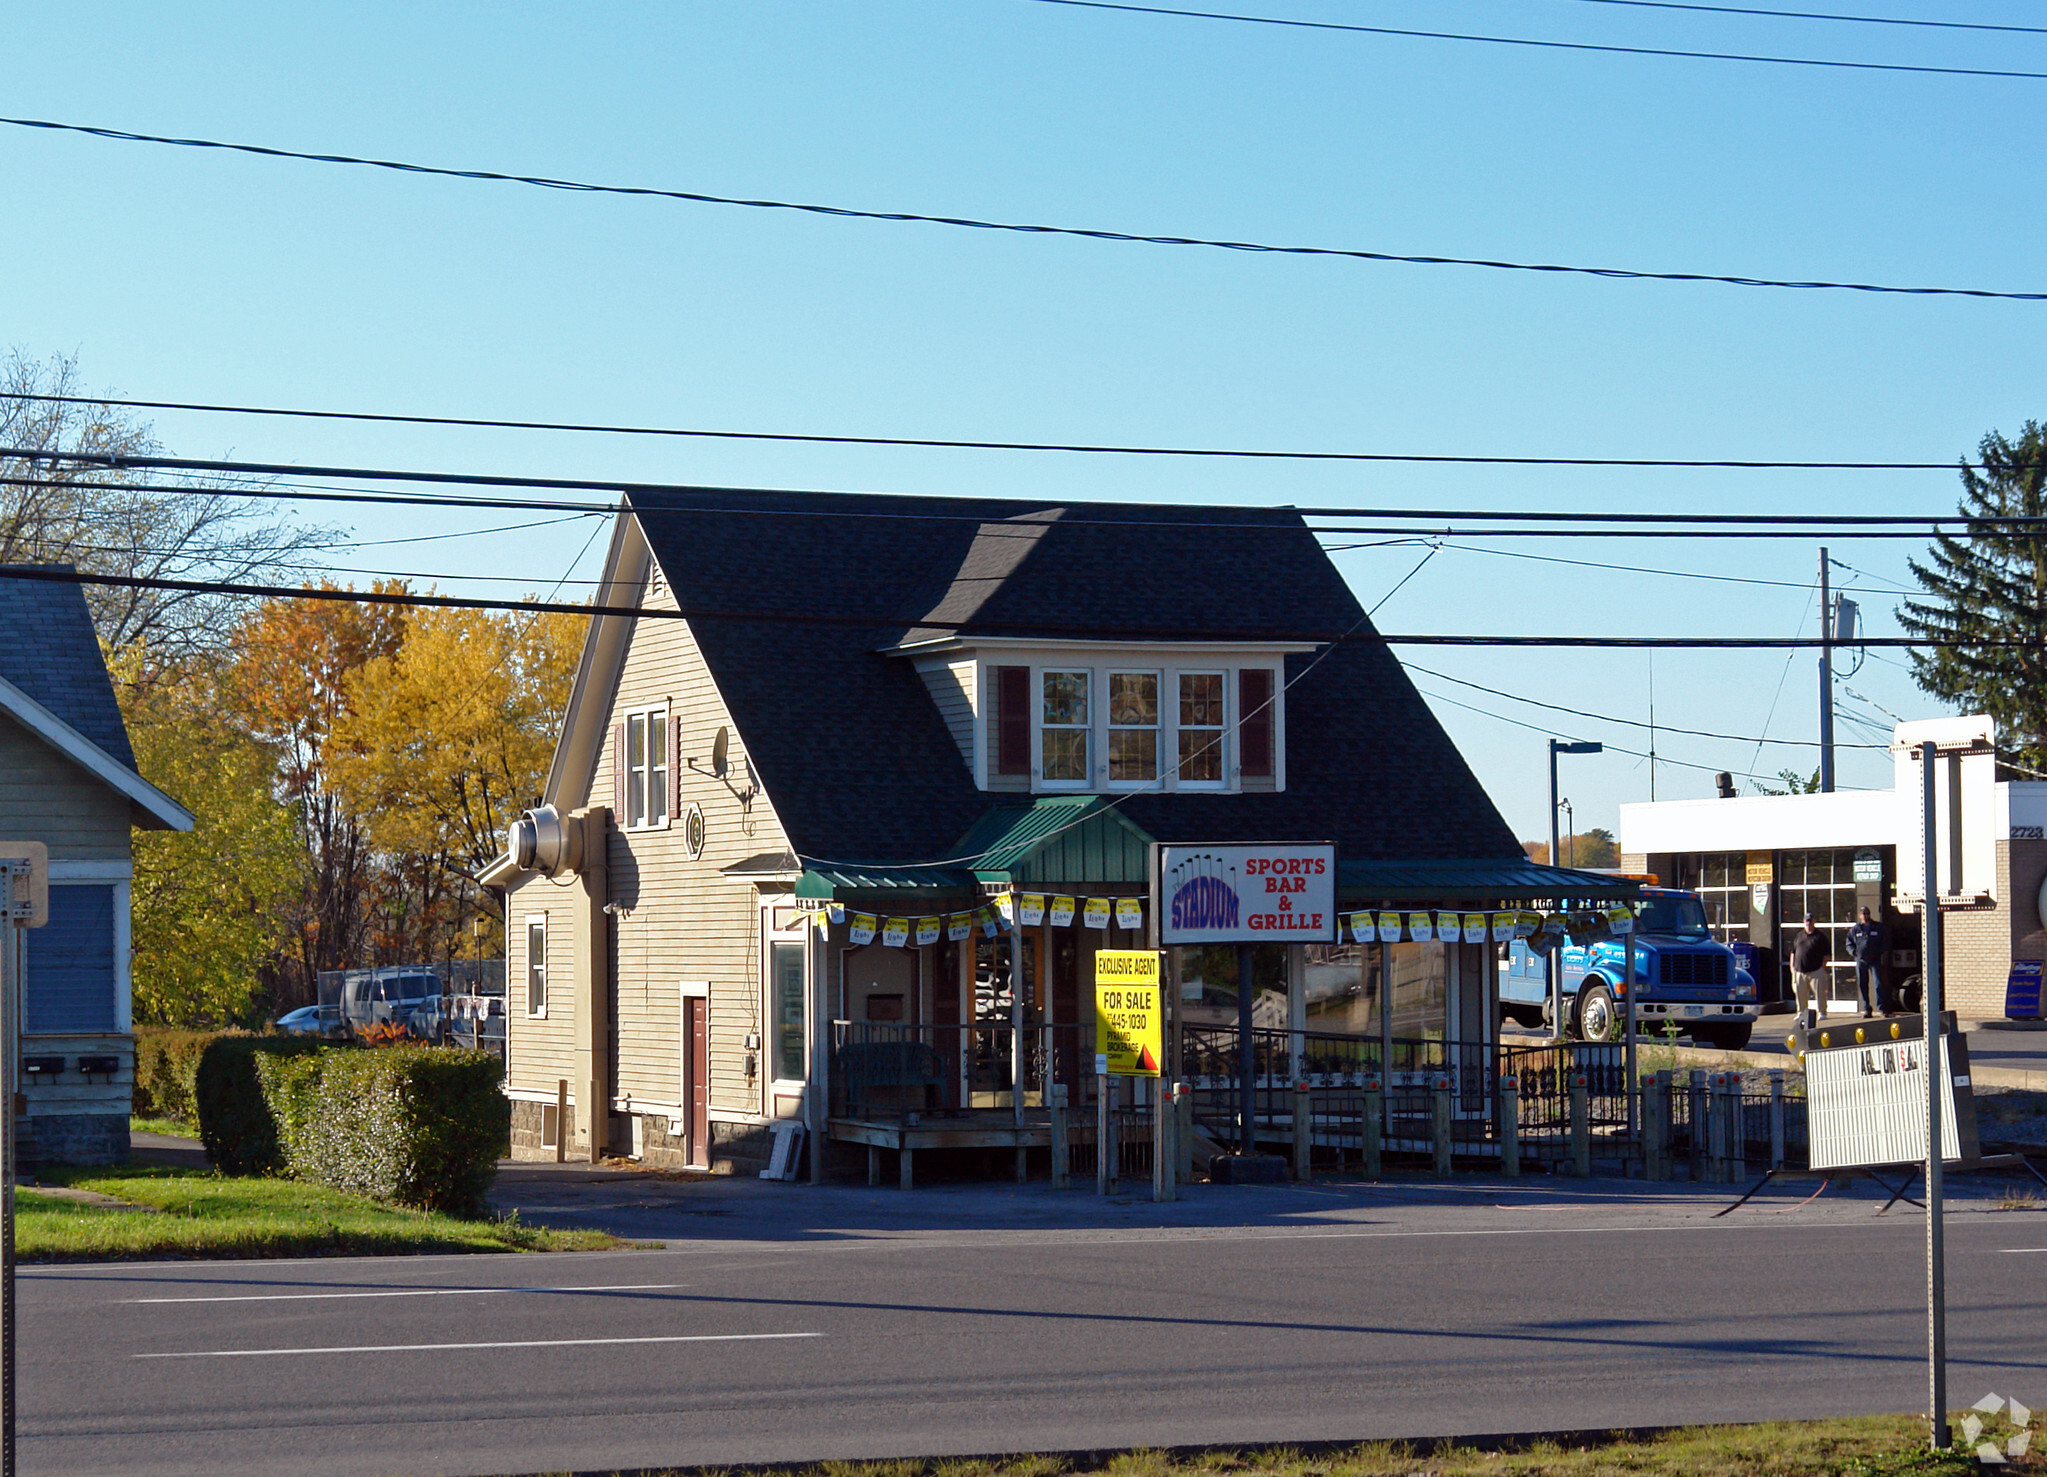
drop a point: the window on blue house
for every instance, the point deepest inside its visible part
(70, 983)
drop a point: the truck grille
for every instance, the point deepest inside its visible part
(1693, 969)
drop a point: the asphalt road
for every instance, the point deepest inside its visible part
(835, 1322)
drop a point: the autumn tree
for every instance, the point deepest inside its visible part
(442, 741)
(210, 906)
(289, 685)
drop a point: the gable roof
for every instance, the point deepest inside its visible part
(49, 650)
(807, 591)
(54, 683)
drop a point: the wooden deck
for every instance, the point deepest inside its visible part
(977, 1128)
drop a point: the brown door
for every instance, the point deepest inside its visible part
(697, 1012)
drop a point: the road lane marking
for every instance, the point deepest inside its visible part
(676, 1338)
(2019, 1250)
(408, 1292)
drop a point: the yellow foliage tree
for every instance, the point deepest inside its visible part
(210, 907)
(439, 744)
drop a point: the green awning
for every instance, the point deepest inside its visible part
(821, 882)
(1460, 881)
(1060, 841)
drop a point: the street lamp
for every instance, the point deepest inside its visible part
(1556, 978)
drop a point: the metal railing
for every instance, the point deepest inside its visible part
(885, 1070)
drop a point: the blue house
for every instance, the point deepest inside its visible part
(68, 779)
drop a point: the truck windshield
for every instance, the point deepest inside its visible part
(1673, 917)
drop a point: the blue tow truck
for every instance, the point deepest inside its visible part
(1683, 977)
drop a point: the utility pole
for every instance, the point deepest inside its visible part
(1551, 973)
(1933, 1041)
(1826, 681)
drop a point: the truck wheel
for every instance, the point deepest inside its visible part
(1597, 1020)
(1725, 1038)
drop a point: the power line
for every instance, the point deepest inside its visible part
(1738, 738)
(1084, 233)
(1438, 697)
(1714, 56)
(1703, 521)
(869, 620)
(956, 444)
(1689, 574)
(1822, 15)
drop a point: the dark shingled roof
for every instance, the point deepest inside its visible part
(854, 753)
(49, 651)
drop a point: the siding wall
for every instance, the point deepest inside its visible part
(45, 797)
(683, 920)
(951, 684)
(542, 1051)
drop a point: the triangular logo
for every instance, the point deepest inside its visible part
(1145, 1060)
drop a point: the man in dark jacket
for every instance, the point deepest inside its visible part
(1866, 947)
(1810, 954)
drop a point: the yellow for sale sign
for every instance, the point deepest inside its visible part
(1129, 1034)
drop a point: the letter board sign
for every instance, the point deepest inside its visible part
(1278, 892)
(1866, 1100)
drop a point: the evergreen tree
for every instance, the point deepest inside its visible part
(1989, 584)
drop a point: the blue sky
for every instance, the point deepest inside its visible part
(179, 274)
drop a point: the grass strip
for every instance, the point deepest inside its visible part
(174, 1127)
(186, 1213)
(1849, 1446)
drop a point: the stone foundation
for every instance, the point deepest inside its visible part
(736, 1148)
(74, 1138)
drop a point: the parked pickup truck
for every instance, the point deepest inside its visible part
(1683, 977)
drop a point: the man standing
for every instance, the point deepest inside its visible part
(1866, 947)
(1810, 954)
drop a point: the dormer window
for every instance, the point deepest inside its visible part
(1101, 717)
(1133, 728)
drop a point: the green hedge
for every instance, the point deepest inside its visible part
(236, 1123)
(420, 1126)
(167, 1069)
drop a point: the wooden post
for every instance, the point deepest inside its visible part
(1374, 1120)
(873, 1166)
(1698, 1126)
(1304, 1129)
(1183, 1130)
(1055, 1094)
(1164, 1183)
(1655, 1127)
(1509, 1102)
(1776, 1118)
(561, 1120)
(1439, 1122)
(1581, 1127)
(906, 1175)
(1105, 1143)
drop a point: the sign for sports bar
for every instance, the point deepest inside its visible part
(1865, 1088)
(1278, 892)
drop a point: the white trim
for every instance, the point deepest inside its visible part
(644, 1107)
(696, 989)
(90, 757)
(92, 871)
(644, 712)
(1108, 650)
(526, 922)
(737, 1115)
(500, 872)
(124, 982)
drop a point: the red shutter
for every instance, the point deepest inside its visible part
(1254, 723)
(618, 774)
(1013, 720)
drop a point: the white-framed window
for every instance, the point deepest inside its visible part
(1133, 717)
(536, 964)
(646, 769)
(1166, 728)
(1065, 727)
(1200, 725)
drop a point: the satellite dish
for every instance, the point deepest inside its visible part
(718, 747)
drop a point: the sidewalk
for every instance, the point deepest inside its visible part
(723, 1210)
